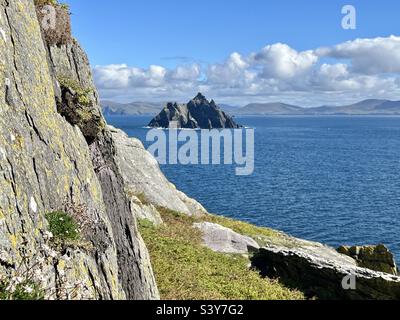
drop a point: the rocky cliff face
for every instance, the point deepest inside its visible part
(57, 153)
(199, 113)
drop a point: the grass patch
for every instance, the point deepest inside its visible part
(63, 227)
(185, 269)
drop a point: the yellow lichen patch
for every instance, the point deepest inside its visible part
(1, 214)
(19, 142)
(20, 6)
(14, 241)
(61, 264)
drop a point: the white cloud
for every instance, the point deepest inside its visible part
(363, 68)
(281, 61)
(229, 72)
(186, 73)
(368, 56)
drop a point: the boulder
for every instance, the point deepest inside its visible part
(224, 240)
(199, 113)
(377, 258)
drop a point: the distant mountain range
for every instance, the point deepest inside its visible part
(366, 107)
(111, 108)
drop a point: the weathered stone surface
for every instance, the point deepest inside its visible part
(377, 258)
(145, 211)
(45, 161)
(143, 177)
(134, 266)
(225, 240)
(199, 113)
(319, 271)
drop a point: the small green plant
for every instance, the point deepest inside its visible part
(24, 290)
(63, 227)
(83, 94)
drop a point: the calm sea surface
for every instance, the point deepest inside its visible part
(330, 179)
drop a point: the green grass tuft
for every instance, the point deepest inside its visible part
(63, 227)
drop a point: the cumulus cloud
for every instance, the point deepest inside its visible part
(186, 73)
(363, 68)
(368, 56)
(121, 76)
(281, 61)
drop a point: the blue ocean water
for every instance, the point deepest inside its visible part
(330, 179)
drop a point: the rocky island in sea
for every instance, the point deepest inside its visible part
(198, 113)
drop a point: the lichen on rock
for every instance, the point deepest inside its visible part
(46, 160)
(377, 258)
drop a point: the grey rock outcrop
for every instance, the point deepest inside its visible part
(134, 268)
(377, 258)
(199, 113)
(144, 180)
(225, 240)
(321, 271)
(46, 161)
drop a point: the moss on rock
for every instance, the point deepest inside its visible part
(77, 106)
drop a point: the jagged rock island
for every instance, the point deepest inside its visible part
(198, 113)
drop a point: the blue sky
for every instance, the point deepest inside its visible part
(180, 34)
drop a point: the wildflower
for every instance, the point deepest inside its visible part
(48, 235)
(28, 289)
